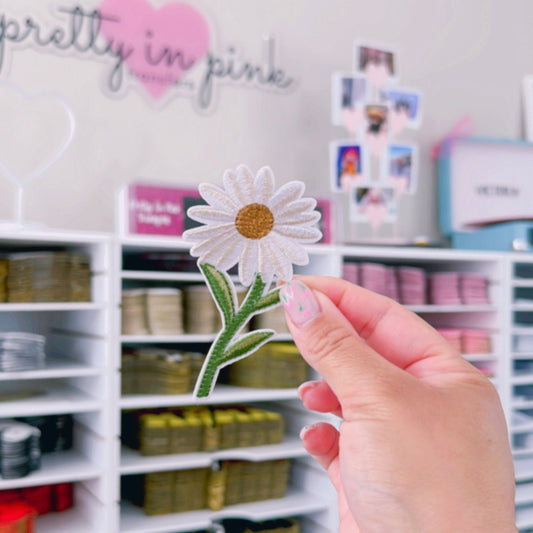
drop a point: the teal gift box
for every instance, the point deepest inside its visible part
(485, 193)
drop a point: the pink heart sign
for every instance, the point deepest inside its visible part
(159, 46)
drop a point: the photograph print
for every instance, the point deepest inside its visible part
(376, 62)
(405, 107)
(349, 93)
(348, 165)
(402, 167)
(374, 205)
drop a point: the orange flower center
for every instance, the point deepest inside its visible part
(254, 221)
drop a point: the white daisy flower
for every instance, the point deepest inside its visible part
(250, 223)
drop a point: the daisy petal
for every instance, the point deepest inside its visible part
(225, 254)
(245, 179)
(299, 219)
(207, 214)
(231, 186)
(248, 262)
(213, 242)
(299, 233)
(295, 252)
(239, 186)
(303, 204)
(216, 197)
(230, 256)
(286, 193)
(264, 185)
(265, 266)
(204, 232)
(281, 264)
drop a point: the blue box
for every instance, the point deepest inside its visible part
(507, 236)
(485, 189)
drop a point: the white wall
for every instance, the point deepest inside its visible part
(466, 56)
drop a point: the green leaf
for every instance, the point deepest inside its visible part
(223, 291)
(247, 344)
(269, 300)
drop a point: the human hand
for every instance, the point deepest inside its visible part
(423, 446)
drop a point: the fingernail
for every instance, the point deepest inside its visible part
(299, 302)
(305, 387)
(304, 431)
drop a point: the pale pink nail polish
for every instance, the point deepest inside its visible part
(299, 302)
(306, 429)
(305, 387)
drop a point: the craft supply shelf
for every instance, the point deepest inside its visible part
(295, 503)
(75, 379)
(81, 377)
(133, 254)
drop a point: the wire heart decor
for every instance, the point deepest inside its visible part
(35, 132)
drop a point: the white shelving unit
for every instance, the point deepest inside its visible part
(82, 377)
(132, 519)
(520, 346)
(488, 316)
(509, 377)
(75, 380)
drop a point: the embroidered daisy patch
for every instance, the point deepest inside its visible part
(262, 230)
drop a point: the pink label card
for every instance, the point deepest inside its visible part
(159, 210)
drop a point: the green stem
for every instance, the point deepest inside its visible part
(215, 357)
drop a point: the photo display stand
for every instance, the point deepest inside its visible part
(35, 132)
(370, 167)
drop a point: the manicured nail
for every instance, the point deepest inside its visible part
(299, 302)
(305, 387)
(304, 431)
(307, 429)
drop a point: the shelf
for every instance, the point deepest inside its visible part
(295, 502)
(132, 462)
(524, 493)
(134, 520)
(167, 339)
(186, 338)
(524, 517)
(223, 394)
(519, 379)
(474, 357)
(56, 467)
(153, 243)
(55, 367)
(522, 282)
(77, 377)
(522, 330)
(58, 399)
(462, 308)
(53, 237)
(522, 452)
(63, 521)
(522, 355)
(59, 306)
(523, 427)
(524, 468)
(522, 404)
(522, 306)
(147, 275)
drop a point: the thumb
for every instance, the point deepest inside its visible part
(331, 345)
